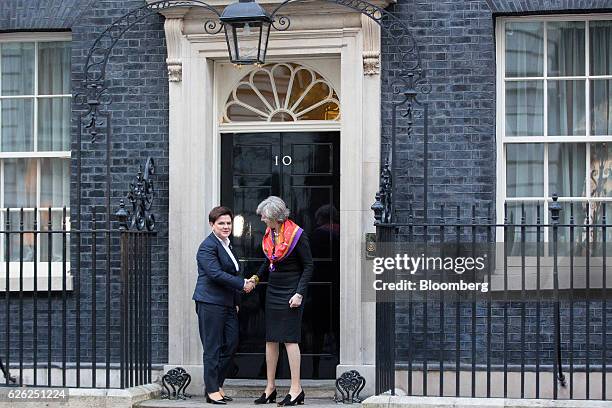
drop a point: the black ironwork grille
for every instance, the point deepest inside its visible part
(63, 326)
(542, 334)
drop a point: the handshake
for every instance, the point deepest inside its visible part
(250, 284)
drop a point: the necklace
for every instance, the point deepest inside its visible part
(274, 237)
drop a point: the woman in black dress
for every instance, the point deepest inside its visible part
(288, 266)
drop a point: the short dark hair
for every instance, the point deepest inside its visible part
(217, 212)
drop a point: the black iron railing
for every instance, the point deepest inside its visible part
(70, 322)
(385, 323)
(541, 331)
(136, 321)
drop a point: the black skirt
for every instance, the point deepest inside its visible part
(284, 326)
(291, 276)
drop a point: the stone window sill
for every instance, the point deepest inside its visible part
(514, 268)
(16, 275)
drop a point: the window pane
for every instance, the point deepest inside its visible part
(17, 67)
(566, 108)
(601, 167)
(53, 68)
(567, 169)
(57, 224)
(566, 48)
(596, 233)
(282, 77)
(16, 220)
(19, 183)
(525, 108)
(564, 233)
(54, 124)
(326, 111)
(525, 170)
(238, 113)
(17, 131)
(601, 109)
(265, 85)
(55, 182)
(524, 49)
(514, 233)
(601, 51)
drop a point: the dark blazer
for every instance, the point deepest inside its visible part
(292, 273)
(218, 281)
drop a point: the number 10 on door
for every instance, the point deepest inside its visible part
(286, 160)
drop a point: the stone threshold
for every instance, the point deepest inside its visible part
(200, 402)
(388, 401)
(242, 388)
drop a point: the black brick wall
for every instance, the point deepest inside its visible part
(456, 44)
(457, 47)
(39, 15)
(138, 86)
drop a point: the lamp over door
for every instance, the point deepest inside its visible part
(247, 27)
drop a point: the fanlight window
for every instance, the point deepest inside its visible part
(282, 93)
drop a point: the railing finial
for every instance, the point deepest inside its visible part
(555, 208)
(122, 215)
(141, 197)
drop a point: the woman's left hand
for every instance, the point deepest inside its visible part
(296, 300)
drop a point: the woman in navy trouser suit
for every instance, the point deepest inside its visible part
(217, 295)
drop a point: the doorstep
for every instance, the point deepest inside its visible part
(200, 402)
(319, 393)
(253, 388)
(246, 388)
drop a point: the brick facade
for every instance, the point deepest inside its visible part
(457, 47)
(139, 87)
(40, 15)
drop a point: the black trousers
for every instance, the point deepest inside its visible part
(219, 335)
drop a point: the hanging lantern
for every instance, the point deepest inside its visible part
(247, 27)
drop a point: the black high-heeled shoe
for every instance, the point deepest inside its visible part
(217, 402)
(287, 401)
(227, 399)
(266, 400)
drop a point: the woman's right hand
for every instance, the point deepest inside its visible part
(248, 286)
(296, 300)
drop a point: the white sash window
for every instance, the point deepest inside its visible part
(555, 118)
(554, 135)
(35, 112)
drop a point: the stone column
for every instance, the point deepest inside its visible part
(362, 127)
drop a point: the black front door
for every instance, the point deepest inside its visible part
(304, 170)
